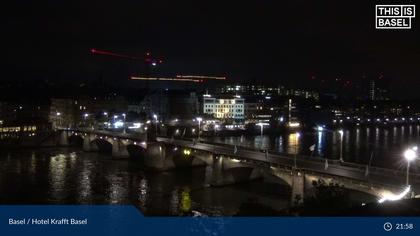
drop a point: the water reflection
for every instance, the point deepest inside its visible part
(385, 138)
(279, 144)
(57, 171)
(32, 166)
(320, 143)
(143, 194)
(346, 142)
(293, 143)
(174, 202)
(185, 205)
(85, 182)
(394, 135)
(117, 191)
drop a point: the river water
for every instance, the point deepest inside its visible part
(71, 176)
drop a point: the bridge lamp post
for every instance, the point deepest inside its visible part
(85, 116)
(199, 119)
(124, 115)
(341, 132)
(319, 128)
(216, 126)
(409, 154)
(58, 120)
(156, 122)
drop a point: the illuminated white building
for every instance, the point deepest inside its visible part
(224, 108)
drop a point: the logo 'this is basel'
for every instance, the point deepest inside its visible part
(394, 16)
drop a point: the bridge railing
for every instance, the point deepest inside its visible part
(362, 168)
(109, 133)
(311, 158)
(383, 171)
(366, 182)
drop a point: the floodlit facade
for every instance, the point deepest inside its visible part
(224, 108)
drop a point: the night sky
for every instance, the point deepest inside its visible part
(286, 42)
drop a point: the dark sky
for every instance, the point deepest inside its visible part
(282, 41)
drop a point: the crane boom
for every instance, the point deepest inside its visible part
(147, 59)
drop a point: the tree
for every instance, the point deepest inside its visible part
(328, 199)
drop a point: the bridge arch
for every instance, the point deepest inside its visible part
(301, 183)
(76, 140)
(228, 170)
(374, 190)
(101, 145)
(136, 151)
(163, 156)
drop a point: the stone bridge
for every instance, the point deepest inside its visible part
(224, 165)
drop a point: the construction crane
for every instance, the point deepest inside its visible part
(153, 62)
(147, 59)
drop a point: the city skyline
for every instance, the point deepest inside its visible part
(256, 41)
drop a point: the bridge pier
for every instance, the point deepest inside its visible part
(293, 178)
(88, 146)
(63, 139)
(86, 143)
(155, 157)
(119, 148)
(162, 157)
(216, 171)
(229, 171)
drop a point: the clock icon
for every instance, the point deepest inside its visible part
(387, 226)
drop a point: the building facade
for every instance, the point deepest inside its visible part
(267, 91)
(223, 108)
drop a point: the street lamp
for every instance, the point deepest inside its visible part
(216, 126)
(85, 116)
(199, 119)
(409, 155)
(341, 132)
(319, 128)
(124, 131)
(156, 121)
(58, 120)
